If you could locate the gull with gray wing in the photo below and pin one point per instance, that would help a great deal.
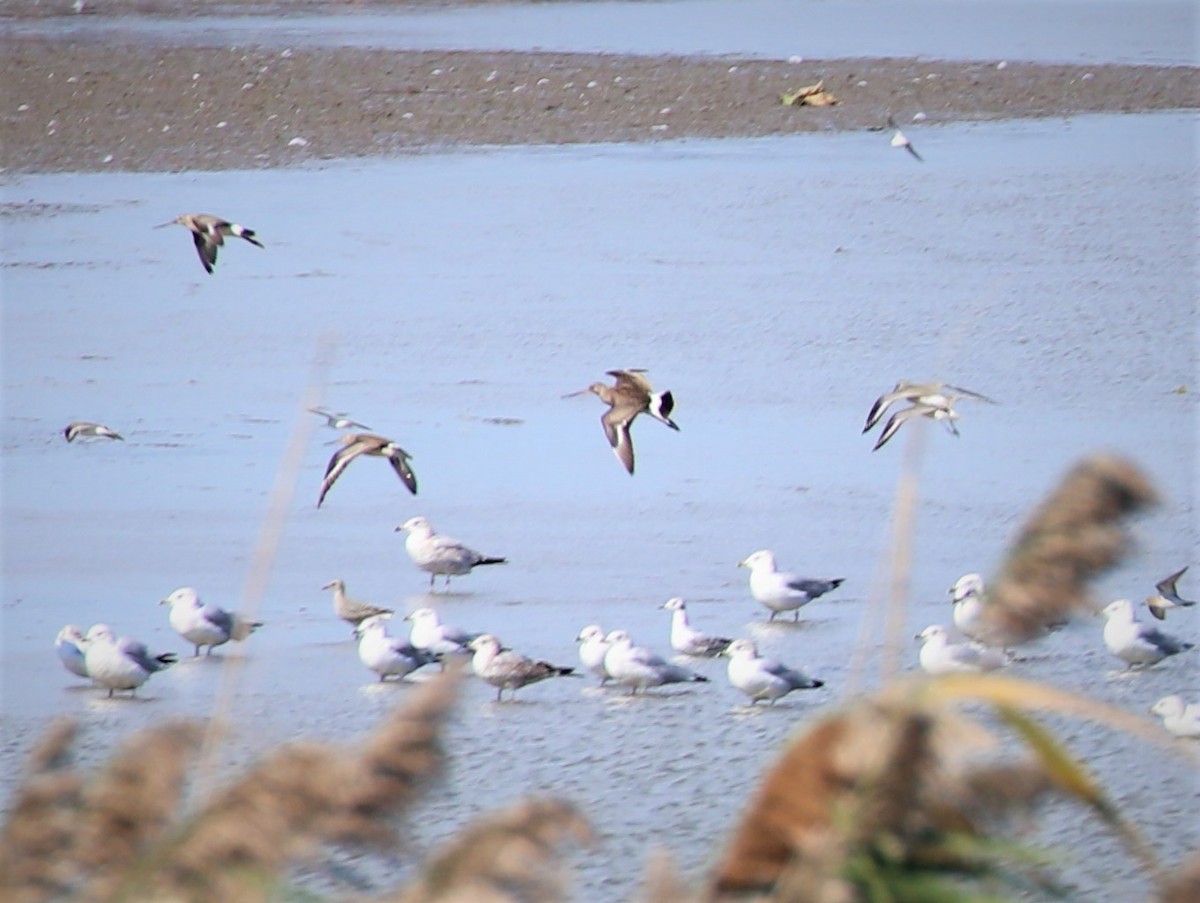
(763, 678)
(120, 664)
(437, 554)
(505, 669)
(781, 591)
(205, 625)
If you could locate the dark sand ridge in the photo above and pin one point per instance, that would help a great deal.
(83, 105)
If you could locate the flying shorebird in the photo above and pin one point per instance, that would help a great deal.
(945, 413)
(208, 232)
(82, 429)
(355, 444)
(339, 420)
(1168, 596)
(931, 393)
(629, 396)
(899, 139)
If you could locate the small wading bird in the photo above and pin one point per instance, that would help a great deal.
(1168, 596)
(355, 444)
(339, 420)
(352, 611)
(899, 139)
(82, 429)
(208, 232)
(505, 669)
(629, 396)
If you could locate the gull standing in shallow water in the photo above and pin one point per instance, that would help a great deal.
(1178, 718)
(355, 444)
(437, 554)
(629, 396)
(639, 668)
(763, 678)
(428, 632)
(593, 646)
(352, 611)
(967, 598)
(685, 638)
(780, 591)
(70, 645)
(1135, 643)
(120, 664)
(940, 656)
(385, 655)
(508, 670)
(205, 625)
(1168, 596)
(83, 429)
(899, 139)
(208, 234)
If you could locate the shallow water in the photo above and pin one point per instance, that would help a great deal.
(776, 286)
(1161, 32)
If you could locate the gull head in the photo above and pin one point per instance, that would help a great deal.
(1121, 608)
(761, 558)
(100, 632)
(933, 631)
(185, 595)
(965, 586)
(335, 584)
(1168, 707)
(485, 641)
(676, 604)
(416, 524)
(70, 633)
(618, 638)
(741, 649)
(423, 616)
(373, 624)
(590, 634)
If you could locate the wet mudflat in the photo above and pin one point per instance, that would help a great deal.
(775, 285)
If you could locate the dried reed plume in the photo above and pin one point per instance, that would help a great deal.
(883, 785)
(507, 857)
(37, 846)
(1072, 537)
(117, 836)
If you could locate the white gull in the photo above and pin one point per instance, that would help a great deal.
(1135, 643)
(763, 678)
(437, 554)
(940, 656)
(205, 625)
(780, 591)
(120, 664)
(685, 638)
(505, 669)
(385, 655)
(640, 668)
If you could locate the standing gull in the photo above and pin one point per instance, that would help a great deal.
(208, 233)
(899, 139)
(968, 600)
(385, 655)
(931, 393)
(593, 646)
(1135, 643)
(120, 664)
(355, 444)
(205, 625)
(685, 638)
(639, 668)
(780, 591)
(763, 678)
(1178, 718)
(352, 611)
(629, 396)
(1168, 596)
(437, 554)
(940, 656)
(429, 633)
(339, 421)
(508, 670)
(83, 429)
(71, 645)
